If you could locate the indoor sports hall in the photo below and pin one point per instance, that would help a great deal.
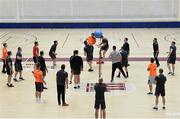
(70, 23)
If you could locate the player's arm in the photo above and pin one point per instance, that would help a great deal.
(11, 69)
(81, 60)
(19, 58)
(148, 68)
(110, 56)
(85, 53)
(66, 81)
(170, 51)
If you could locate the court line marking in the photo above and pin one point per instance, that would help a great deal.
(66, 59)
(135, 40)
(65, 40)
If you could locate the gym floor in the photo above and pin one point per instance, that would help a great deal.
(133, 102)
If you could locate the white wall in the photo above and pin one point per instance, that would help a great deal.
(88, 10)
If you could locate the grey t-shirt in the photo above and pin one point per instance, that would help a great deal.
(115, 56)
(61, 77)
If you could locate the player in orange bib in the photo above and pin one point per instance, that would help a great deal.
(39, 80)
(152, 68)
(91, 40)
(4, 55)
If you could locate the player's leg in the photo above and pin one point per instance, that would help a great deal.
(156, 102)
(114, 66)
(96, 113)
(4, 67)
(164, 102)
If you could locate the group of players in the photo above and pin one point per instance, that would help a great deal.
(119, 60)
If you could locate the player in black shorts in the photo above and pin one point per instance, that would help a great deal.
(172, 58)
(77, 67)
(126, 46)
(9, 69)
(156, 51)
(124, 56)
(52, 52)
(160, 89)
(100, 88)
(42, 63)
(104, 46)
(18, 65)
(88, 52)
(70, 61)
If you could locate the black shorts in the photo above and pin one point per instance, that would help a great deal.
(100, 104)
(105, 48)
(171, 60)
(89, 58)
(125, 63)
(39, 86)
(160, 91)
(18, 67)
(76, 71)
(52, 55)
(35, 59)
(8, 72)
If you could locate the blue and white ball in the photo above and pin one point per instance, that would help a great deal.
(98, 33)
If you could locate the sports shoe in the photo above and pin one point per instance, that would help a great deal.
(21, 78)
(78, 86)
(155, 108)
(15, 79)
(3, 72)
(11, 85)
(75, 87)
(90, 70)
(164, 107)
(65, 104)
(173, 74)
(169, 73)
(70, 82)
(150, 93)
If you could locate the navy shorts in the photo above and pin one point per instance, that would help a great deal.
(100, 104)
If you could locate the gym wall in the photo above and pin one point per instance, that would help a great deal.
(85, 11)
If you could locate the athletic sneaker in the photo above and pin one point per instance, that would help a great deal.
(155, 108)
(70, 82)
(65, 104)
(75, 87)
(21, 78)
(150, 93)
(11, 85)
(78, 86)
(173, 74)
(164, 107)
(41, 101)
(3, 72)
(15, 79)
(169, 73)
(90, 70)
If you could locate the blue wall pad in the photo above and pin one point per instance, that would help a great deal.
(94, 25)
